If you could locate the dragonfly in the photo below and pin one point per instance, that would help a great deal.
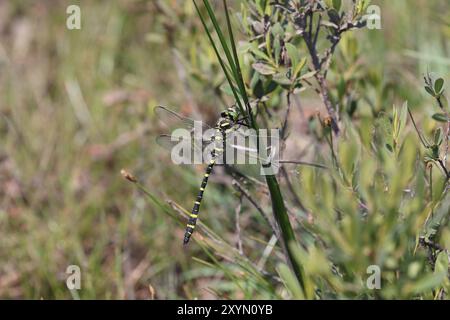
(230, 121)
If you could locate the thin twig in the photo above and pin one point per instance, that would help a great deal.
(431, 189)
(316, 35)
(304, 22)
(417, 130)
(246, 194)
(283, 132)
(296, 198)
(444, 168)
(236, 173)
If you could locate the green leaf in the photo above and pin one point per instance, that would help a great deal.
(282, 79)
(264, 68)
(270, 87)
(430, 91)
(258, 89)
(439, 86)
(308, 75)
(258, 27)
(337, 4)
(261, 6)
(269, 45)
(429, 282)
(362, 6)
(433, 152)
(258, 53)
(277, 49)
(298, 69)
(441, 264)
(277, 30)
(293, 54)
(440, 117)
(329, 24)
(438, 137)
(255, 78)
(403, 117)
(334, 16)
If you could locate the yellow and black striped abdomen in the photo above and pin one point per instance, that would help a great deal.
(195, 210)
(222, 128)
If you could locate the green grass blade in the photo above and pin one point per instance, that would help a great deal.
(222, 64)
(239, 78)
(222, 39)
(290, 282)
(280, 213)
(222, 267)
(231, 61)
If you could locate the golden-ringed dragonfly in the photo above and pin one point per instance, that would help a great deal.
(229, 121)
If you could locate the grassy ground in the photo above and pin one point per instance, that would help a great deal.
(76, 107)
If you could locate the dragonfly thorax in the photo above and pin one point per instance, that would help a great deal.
(224, 124)
(229, 117)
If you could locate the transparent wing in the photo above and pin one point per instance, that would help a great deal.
(171, 119)
(246, 142)
(185, 149)
(188, 143)
(269, 163)
(169, 142)
(267, 159)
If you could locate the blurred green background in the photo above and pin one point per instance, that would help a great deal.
(76, 107)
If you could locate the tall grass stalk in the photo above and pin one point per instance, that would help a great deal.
(236, 82)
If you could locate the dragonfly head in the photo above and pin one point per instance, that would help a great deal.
(231, 114)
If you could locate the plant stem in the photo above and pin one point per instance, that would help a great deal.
(282, 218)
(444, 168)
(417, 130)
(279, 209)
(246, 194)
